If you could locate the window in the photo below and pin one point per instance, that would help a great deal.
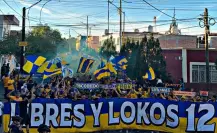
(199, 74)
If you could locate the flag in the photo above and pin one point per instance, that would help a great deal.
(58, 65)
(52, 69)
(48, 65)
(84, 65)
(49, 72)
(105, 72)
(110, 67)
(43, 67)
(102, 64)
(33, 63)
(120, 62)
(100, 73)
(111, 58)
(66, 72)
(150, 75)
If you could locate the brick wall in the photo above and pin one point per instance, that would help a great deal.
(174, 41)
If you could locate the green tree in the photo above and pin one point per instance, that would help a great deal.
(155, 59)
(108, 48)
(142, 55)
(125, 48)
(141, 65)
(41, 41)
(10, 45)
(136, 59)
(132, 62)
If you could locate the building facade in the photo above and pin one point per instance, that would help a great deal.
(6, 21)
(93, 42)
(190, 64)
(136, 36)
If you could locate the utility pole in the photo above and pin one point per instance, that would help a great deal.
(124, 24)
(87, 30)
(120, 11)
(108, 15)
(22, 52)
(206, 24)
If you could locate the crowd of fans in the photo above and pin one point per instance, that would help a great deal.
(24, 90)
(20, 89)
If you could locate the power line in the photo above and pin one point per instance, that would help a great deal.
(30, 8)
(11, 8)
(42, 8)
(156, 8)
(15, 10)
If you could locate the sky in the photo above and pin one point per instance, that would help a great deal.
(70, 16)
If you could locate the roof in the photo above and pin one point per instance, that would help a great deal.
(213, 34)
(135, 33)
(179, 35)
(11, 19)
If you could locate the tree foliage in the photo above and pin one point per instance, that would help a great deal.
(10, 45)
(143, 55)
(108, 48)
(41, 41)
(155, 59)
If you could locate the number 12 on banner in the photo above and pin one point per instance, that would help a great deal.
(201, 124)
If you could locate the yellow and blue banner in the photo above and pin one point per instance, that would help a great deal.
(51, 72)
(105, 71)
(120, 62)
(46, 65)
(33, 62)
(52, 69)
(101, 73)
(150, 74)
(66, 115)
(84, 65)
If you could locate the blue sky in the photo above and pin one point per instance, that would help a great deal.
(60, 13)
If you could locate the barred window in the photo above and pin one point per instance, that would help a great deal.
(199, 74)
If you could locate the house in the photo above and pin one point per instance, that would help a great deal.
(136, 36)
(6, 21)
(190, 64)
(93, 42)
